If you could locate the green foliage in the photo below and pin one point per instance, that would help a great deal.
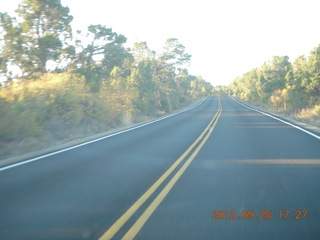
(41, 17)
(96, 60)
(142, 79)
(220, 90)
(11, 43)
(39, 38)
(292, 88)
(94, 83)
(174, 54)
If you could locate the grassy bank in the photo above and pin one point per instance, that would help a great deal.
(58, 108)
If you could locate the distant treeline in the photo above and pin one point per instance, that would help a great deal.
(289, 87)
(53, 78)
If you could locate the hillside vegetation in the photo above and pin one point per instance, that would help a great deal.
(58, 84)
(289, 88)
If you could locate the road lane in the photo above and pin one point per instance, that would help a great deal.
(81, 192)
(250, 163)
(192, 151)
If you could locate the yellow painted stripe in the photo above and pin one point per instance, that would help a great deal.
(127, 215)
(133, 231)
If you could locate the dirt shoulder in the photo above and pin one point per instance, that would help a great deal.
(303, 124)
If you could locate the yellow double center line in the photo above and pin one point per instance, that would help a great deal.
(133, 231)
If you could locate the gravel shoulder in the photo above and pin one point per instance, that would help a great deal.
(305, 125)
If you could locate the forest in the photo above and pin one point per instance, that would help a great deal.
(57, 83)
(289, 88)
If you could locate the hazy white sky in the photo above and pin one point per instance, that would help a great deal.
(226, 38)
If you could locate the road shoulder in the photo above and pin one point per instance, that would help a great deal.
(307, 126)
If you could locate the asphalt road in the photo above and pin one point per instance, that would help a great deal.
(207, 173)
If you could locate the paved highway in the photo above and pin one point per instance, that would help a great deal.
(217, 171)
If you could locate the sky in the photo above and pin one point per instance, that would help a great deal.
(226, 38)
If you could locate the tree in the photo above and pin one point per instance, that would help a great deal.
(96, 60)
(160, 73)
(275, 72)
(312, 83)
(45, 28)
(142, 52)
(115, 55)
(174, 54)
(11, 44)
(147, 100)
(39, 38)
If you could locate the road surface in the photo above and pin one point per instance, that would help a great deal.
(217, 171)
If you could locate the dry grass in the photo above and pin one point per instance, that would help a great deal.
(51, 110)
(59, 108)
(311, 115)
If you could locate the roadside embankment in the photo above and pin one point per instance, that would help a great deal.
(297, 119)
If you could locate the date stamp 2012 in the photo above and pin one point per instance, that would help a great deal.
(263, 214)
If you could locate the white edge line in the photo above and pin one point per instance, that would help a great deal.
(292, 125)
(98, 139)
